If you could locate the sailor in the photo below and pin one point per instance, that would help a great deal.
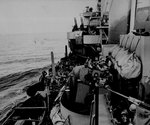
(75, 73)
(124, 117)
(42, 78)
(50, 71)
(79, 72)
(77, 76)
(90, 9)
(87, 9)
(36, 92)
(38, 87)
(108, 59)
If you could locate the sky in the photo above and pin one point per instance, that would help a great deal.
(40, 16)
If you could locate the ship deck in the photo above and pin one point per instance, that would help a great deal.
(104, 114)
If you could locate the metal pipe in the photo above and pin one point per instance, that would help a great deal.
(30, 108)
(117, 93)
(133, 13)
(131, 99)
(53, 64)
(91, 112)
(66, 51)
(32, 120)
(8, 117)
(96, 105)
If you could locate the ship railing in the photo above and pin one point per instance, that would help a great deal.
(92, 115)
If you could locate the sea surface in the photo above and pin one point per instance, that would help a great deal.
(22, 59)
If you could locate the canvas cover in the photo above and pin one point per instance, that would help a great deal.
(123, 58)
(115, 50)
(129, 66)
(121, 54)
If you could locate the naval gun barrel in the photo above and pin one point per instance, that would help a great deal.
(135, 101)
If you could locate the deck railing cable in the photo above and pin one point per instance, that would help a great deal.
(91, 113)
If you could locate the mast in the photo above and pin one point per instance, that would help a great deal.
(96, 105)
(53, 64)
(132, 14)
(96, 87)
(66, 51)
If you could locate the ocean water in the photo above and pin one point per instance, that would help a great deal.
(27, 51)
(22, 59)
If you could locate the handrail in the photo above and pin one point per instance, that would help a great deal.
(93, 119)
(94, 116)
(18, 108)
(31, 120)
(8, 117)
(91, 112)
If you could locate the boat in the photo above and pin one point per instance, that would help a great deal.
(105, 77)
(32, 111)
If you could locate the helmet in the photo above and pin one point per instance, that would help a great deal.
(44, 73)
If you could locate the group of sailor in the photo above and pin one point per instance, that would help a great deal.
(97, 72)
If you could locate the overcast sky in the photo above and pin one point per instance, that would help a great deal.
(39, 16)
